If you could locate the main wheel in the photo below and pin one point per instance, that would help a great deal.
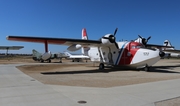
(147, 68)
(101, 66)
(49, 61)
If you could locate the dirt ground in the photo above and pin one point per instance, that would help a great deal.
(88, 75)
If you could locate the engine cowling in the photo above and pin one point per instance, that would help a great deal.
(74, 47)
(108, 39)
(161, 54)
(46, 56)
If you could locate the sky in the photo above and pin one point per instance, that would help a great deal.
(159, 19)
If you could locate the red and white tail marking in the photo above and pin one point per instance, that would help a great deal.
(84, 34)
(85, 37)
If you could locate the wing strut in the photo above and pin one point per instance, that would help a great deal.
(46, 46)
(7, 50)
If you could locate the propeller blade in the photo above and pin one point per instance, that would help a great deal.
(115, 31)
(105, 37)
(140, 36)
(116, 45)
(148, 38)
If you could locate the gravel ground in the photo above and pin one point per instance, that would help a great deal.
(88, 75)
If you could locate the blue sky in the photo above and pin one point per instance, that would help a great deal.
(66, 18)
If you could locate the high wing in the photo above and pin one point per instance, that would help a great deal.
(173, 51)
(158, 46)
(61, 41)
(144, 41)
(11, 47)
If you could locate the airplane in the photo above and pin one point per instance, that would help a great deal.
(167, 48)
(76, 57)
(41, 57)
(7, 48)
(124, 54)
(171, 52)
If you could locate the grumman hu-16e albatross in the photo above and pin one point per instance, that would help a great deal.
(126, 54)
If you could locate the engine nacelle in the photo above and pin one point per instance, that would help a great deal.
(108, 39)
(74, 47)
(175, 55)
(46, 56)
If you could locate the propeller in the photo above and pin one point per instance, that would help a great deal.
(112, 38)
(144, 40)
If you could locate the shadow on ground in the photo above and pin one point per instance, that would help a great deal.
(157, 69)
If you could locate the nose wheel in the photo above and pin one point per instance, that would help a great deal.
(101, 66)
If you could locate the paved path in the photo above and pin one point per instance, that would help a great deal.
(18, 89)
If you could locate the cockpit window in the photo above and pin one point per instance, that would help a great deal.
(136, 47)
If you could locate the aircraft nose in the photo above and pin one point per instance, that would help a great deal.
(161, 54)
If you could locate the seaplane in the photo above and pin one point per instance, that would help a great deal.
(106, 50)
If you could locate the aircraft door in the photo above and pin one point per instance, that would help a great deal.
(126, 55)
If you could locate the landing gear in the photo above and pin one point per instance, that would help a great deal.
(101, 66)
(147, 68)
(60, 61)
(42, 61)
(49, 61)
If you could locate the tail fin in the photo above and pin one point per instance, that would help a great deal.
(168, 43)
(67, 54)
(84, 34)
(85, 37)
(36, 53)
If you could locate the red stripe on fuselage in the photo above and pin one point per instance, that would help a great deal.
(130, 49)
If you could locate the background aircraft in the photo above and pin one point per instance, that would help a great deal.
(40, 57)
(124, 54)
(167, 48)
(171, 52)
(76, 57)
(7, 48)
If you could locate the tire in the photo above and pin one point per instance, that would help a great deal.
(146, 68)
(101, 66)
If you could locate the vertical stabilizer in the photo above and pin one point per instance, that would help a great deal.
(85, 37)
(168, 43)
(36, 55)
(84, 34)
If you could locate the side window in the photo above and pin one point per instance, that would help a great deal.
(133, 47)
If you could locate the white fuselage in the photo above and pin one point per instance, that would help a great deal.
(130, 54)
